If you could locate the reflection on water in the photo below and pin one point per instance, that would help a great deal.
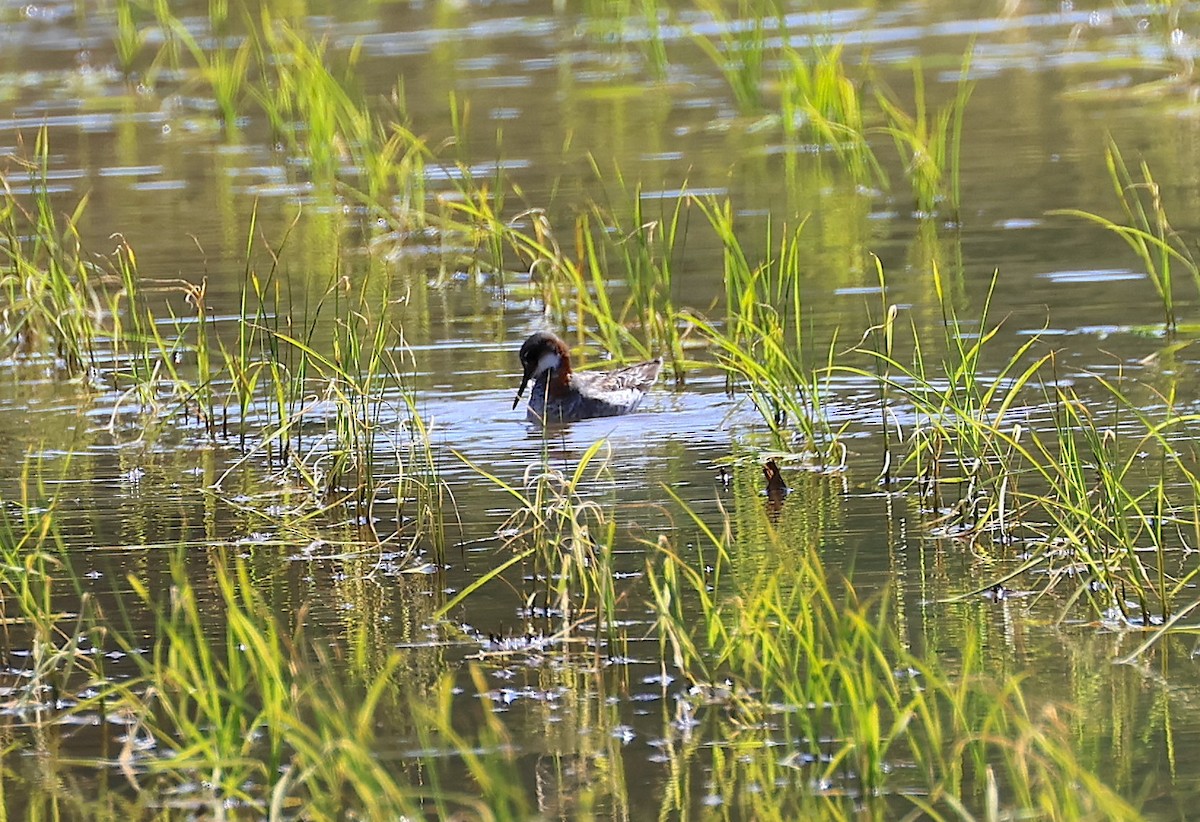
(560, 105)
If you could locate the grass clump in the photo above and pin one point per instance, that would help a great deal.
(1095, 489)
(930, 142)
(56, 299)
(820, 102)
(253, 715)
(762, 343)
(866, 720)
(1146, 230)
(567, 539)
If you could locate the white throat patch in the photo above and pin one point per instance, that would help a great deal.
(549, 360)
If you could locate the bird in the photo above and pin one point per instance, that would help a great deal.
(562, 395)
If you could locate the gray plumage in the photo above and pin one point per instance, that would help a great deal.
(560, 395)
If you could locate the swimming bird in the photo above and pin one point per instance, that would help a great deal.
(561, 395)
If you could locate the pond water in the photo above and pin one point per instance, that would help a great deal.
(566, 107)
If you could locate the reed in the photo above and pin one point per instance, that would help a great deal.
(1146, 230)
(784, 636)
(762, 344)
(930, 142)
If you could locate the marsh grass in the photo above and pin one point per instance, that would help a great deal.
(739, 48)
(273, 68)
(929, 142)
(999, 452)
(52, 642)
(213, 700)
(234, 699)
(1146, 230)
(867, 720)
(321, 390)
(568, 541)
(820, 102)
(55, 297)
(763, 344)
(646, 247)
(577, 285)
(224, 67)
(253, 713)
(129, 38)
(239, 710)
(339, 414)
(1094, 489)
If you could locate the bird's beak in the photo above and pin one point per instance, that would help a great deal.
(521, 390)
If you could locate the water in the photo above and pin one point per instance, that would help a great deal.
(549, 95)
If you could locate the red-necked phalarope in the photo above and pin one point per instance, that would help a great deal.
(561, 395)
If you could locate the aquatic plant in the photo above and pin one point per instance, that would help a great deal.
(762, 344)
(574, 284)
(781, 648)
(929, 143)
(129, 39)
(318, 113)
(739, 48)
(568, 539)
(1146, 230)
(55, 297)
(820, 102)
(1081, 488)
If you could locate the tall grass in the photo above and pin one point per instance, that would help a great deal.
(930, 141)
(800, 652)
(1146, 230)
(763, 343)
